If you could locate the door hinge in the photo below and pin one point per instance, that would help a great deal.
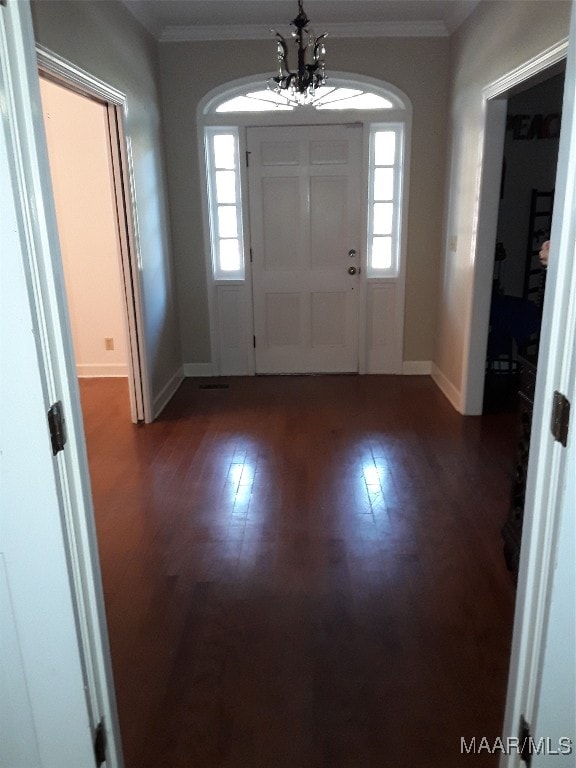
(560, 418)
(525, 741)
(251, 256)
(248, 153)
(100, 744)
(254, 341)
(57, 426)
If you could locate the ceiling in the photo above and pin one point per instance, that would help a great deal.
(173, 20)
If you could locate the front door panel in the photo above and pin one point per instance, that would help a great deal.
(305, 220)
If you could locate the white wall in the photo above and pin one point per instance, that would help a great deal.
(78, 151)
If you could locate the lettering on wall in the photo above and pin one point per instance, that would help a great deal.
(528, 127)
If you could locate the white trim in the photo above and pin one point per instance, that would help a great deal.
(121, 159)
(209, 267)
(548, 459)
(206, 32)
(167, 392)
(363, 325)
(417, 368)
(446, 387)
(198, 370)
(73, 77)
(526, 71)
(484, 237)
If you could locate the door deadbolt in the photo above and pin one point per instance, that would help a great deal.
(351, 270)
(352, 253)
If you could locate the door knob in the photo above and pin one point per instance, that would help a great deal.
(351, 270)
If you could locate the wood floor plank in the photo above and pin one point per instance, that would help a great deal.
(303, 572)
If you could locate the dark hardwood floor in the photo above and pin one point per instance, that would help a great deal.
(303, 572)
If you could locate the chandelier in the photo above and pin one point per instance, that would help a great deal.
(300, 86)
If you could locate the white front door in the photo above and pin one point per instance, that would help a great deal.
(305, 220)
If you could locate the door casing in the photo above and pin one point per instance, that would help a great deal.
(381, 319)
(73, 78)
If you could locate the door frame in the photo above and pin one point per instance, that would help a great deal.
(221, 294)
(73, 78)
(56, 376)
(548, 465)
(494, 98)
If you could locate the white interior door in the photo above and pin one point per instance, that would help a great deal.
(541, 680)
(305, 219)
(55, 676)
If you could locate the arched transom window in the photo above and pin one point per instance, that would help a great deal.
(338, 94)
(335, 97)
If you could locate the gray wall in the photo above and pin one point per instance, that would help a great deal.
(419, 67)
(496, 39)
(104, 39)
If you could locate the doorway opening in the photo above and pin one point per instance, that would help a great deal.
(548, 64)
(515, 205)
(91, 178)
(527, 191)
(533, 121)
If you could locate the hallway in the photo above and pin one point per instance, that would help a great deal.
(303, 572)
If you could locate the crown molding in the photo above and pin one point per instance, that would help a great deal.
(65, 72)
(182, 34)
(530, 69)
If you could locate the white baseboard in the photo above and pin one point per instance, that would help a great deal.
(416, 367)
(447, 388)
(198, 369)
(101, 370)
(166, 393)
(409, 368)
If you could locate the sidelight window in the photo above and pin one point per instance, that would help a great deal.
(384, 196)
(224, 197)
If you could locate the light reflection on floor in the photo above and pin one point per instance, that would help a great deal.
(353, 495)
